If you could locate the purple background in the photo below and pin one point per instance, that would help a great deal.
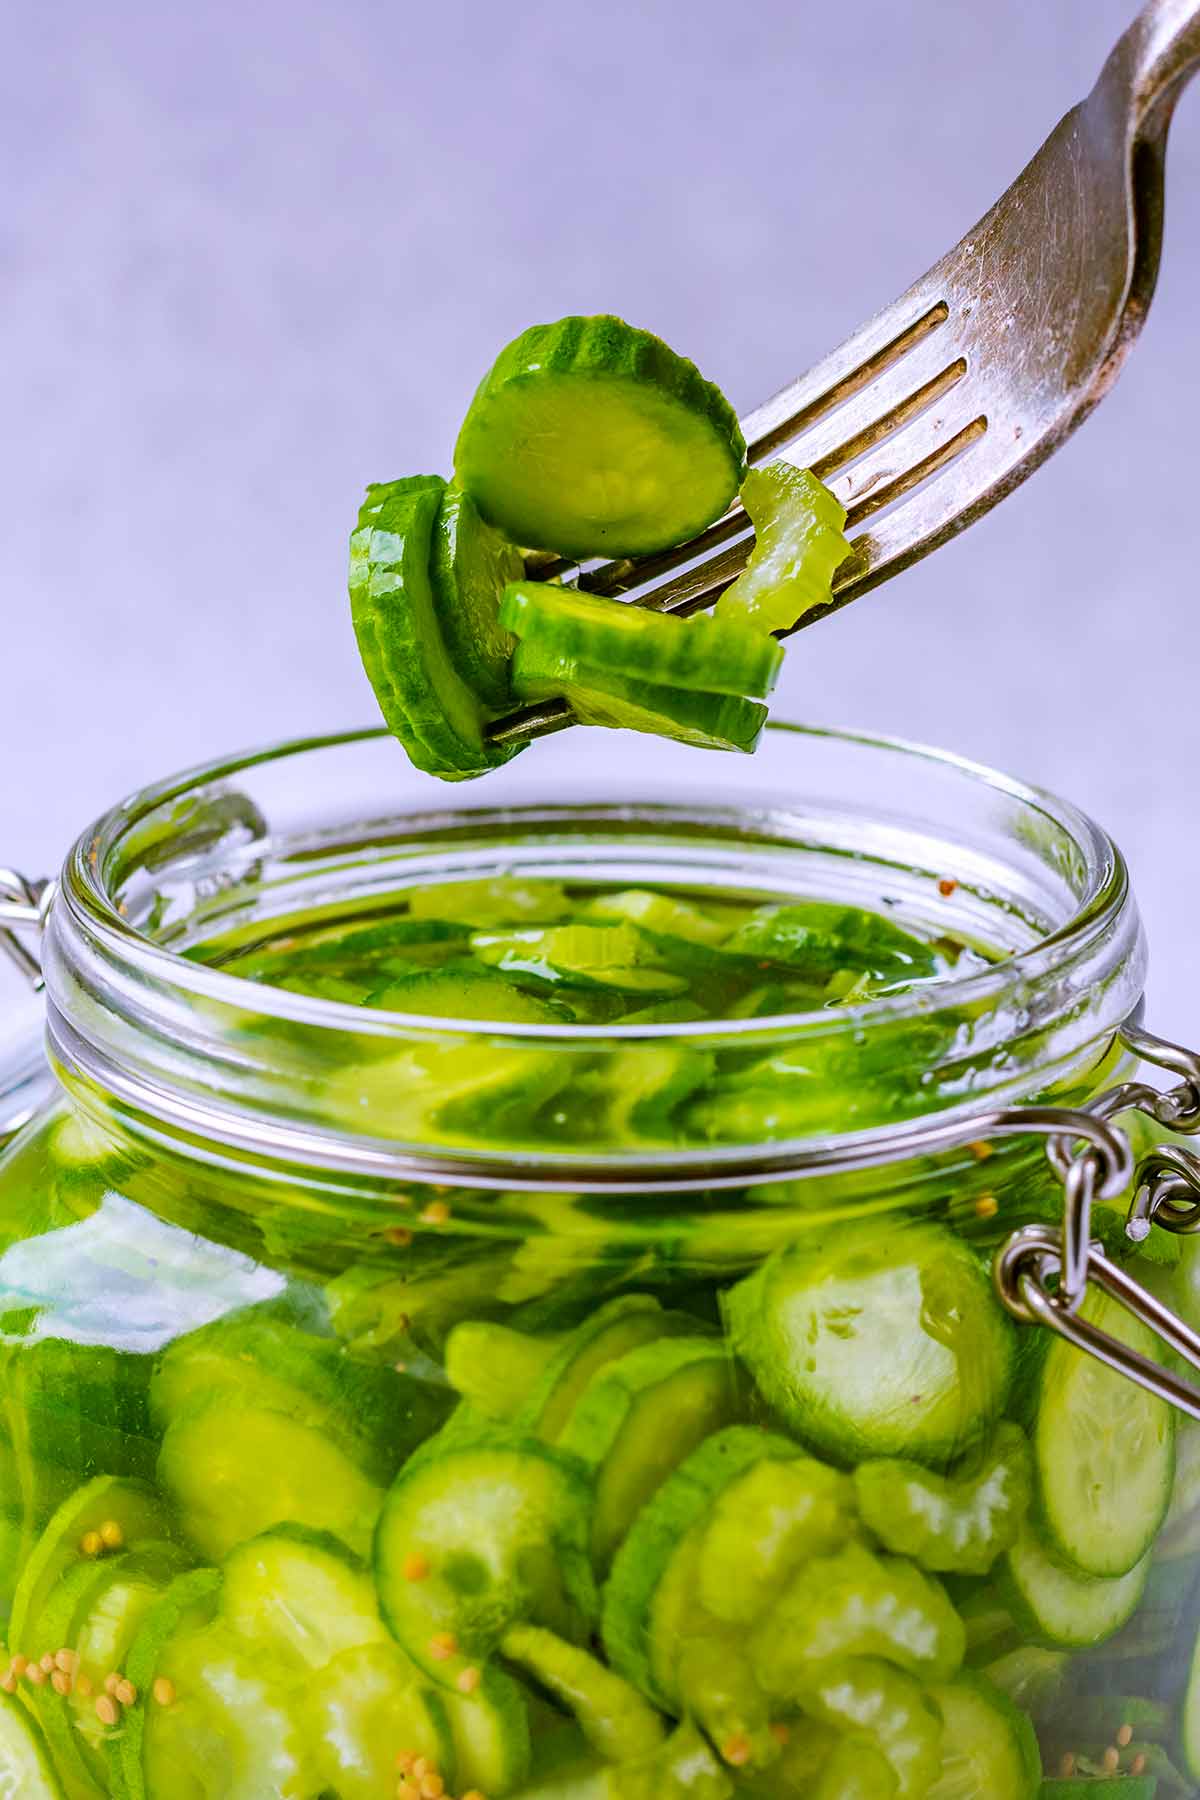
(252, 256)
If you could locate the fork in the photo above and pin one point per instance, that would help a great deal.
(945, 401)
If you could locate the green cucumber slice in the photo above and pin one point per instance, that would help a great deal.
(462, 990)
(490, 1732)
(425, 700)
(799, 544)
(870, 1342)
(763, 1526)
(819, 939)
(471, 565)
(449, 1089)
(957, 1524)
(25, 1769)
(704, 653)
(709, 721)
(1105, 1450)
(663, 915)
(611, 1714)
(362, 1710)
(855, 1770)
(589, 956)
(989, 1749)
(494, 1367)
(854, 1603)
(234, 1467)
(504, 900)
(231, 1732)
(300, 1595)
(479, 1533)
(890, 1709)
(1034, 1680)
(188, 1604)
(639, 1418)
(133, 1506)
(381, 1412)
(651, 1600)
(96, 1610)
(593, 438)
(1061, 1608)
(615, 1328)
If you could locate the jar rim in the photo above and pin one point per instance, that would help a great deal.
(132, 1016)
(1108, 891)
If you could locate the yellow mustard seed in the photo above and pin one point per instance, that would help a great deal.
(107, 1710)
(163, 1691)
(436, 1213)
(416, 1566)
(91, 1543)
(1124, 1736)
(61, 1682)
(736, 1750)
(36, 1675)
(468, 1681)
(126, 1693)
(111, 1535)
(84, 1686)
(442, 1646)
(67, 1660)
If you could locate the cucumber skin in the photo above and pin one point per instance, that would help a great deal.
(605, 348)
(626, 703)
(425, 700)
(681, 1503)
(708, 654)
(471, 563)
(197, 1591)
(15, 1722)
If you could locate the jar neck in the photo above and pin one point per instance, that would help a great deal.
(185, 1052)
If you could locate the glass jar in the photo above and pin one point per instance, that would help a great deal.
(404, 1405)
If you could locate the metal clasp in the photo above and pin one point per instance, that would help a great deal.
(1043, 1273)
(23, 907)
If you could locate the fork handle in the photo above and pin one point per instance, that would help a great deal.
(1156, 57)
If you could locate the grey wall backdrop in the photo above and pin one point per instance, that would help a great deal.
(253, 255)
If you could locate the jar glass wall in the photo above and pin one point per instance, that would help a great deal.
(563, 1409)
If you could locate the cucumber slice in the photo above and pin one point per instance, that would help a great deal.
(495, 1367)
(611, 1714)
(703, 653)
(854, 1604)
(479, 1533)
(447, 1090)
(855, 1770)
(799, 544)
(819, 939)
(1033, 1679)
(639, 1418)
(593, 438)
(462, 990)
(301, 1596)
(615, 1328)
(471, 565)
(662, 915)
(1105, 1450)
(1062, 1608)
(870, 1342)
(651, 1600)
(231, 1731)
(683, 1769)
(763, 1526)
(989, 1750)
(596, 696)
(952, 1524)
(25, 1769)
(489, 1729)
(382, 1412)
(362, 1710)
(505, 900)
(132, 1506)
(234, 1467)
(425, 700)
(187, 1605)
(890, 1710)
(96, 1610)
(600, 956)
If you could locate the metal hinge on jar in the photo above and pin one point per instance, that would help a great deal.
(1043, 1272)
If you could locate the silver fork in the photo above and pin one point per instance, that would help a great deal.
(944, 402)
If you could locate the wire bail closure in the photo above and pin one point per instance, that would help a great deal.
(1043, 1273)
(24, 905)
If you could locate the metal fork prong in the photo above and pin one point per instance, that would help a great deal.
(838, 378)
(889, 423)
